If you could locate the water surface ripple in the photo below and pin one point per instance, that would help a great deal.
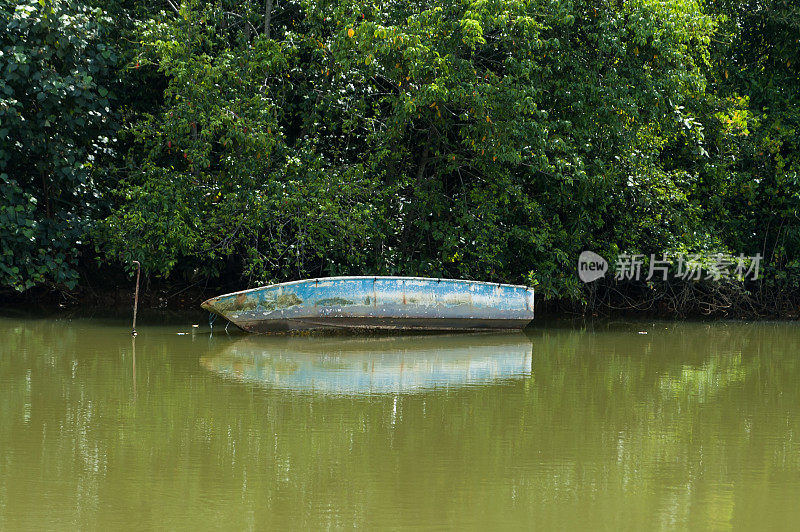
(692, 425)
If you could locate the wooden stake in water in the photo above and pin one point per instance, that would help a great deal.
(136, 296)
(133, 351)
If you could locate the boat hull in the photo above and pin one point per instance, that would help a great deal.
(380, 303)
(411, 324)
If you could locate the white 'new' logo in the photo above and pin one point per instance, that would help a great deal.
(591, 266)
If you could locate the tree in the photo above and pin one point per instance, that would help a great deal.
(55, 124)
(756, 174)
(481, 139)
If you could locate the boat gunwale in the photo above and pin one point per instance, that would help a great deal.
(356, 277)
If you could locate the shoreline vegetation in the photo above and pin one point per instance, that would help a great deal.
(686, 300)
(233, 144)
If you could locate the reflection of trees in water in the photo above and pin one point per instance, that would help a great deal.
(692, 425)
(680, 411)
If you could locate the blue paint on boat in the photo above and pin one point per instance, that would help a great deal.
(416, 303)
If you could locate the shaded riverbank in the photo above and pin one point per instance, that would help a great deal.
(664, 300)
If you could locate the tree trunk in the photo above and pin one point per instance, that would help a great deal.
(267, 17)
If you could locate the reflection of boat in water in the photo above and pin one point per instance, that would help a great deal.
(374, 365)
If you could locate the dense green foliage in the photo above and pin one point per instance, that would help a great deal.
(490, 139)
(55, 59)
(467, 140)
(756, 172)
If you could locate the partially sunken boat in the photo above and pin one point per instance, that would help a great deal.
(382, 303)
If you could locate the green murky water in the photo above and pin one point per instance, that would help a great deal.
(690, 425)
